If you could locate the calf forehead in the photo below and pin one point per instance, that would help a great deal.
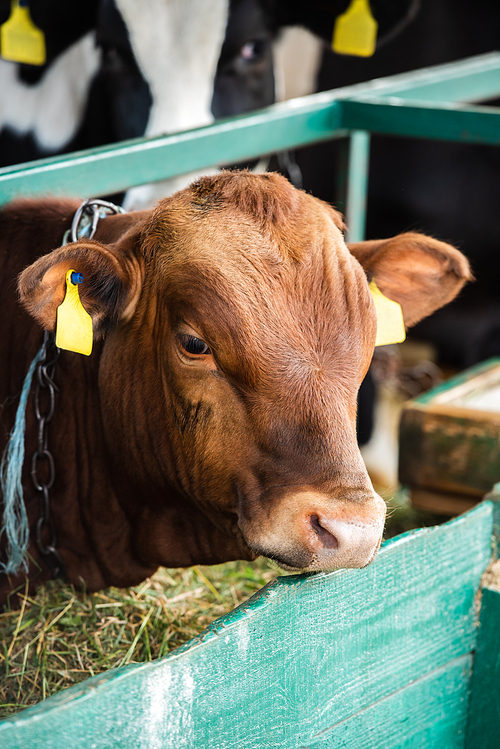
(262, 217)
(250, 259)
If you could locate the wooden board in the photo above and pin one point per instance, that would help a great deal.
(449, 445)
(483, 729)
(305, 654)
(441, 503)
(430, 712)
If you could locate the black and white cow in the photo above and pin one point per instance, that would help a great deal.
(115, 69)
(118, 69)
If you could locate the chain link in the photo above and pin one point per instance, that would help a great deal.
(42, 463)
(87, 217)
(43, 471)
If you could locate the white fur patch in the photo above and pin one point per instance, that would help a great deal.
(177, 45)
(297, 57)
(51, 110)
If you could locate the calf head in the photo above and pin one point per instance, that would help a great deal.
(237, 329)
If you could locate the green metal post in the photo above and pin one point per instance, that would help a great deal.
(357, 185)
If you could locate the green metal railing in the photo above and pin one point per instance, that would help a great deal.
(429, 103)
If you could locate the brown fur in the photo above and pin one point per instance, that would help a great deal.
(165, 458)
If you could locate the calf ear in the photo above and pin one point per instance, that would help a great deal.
(419, 272)
(109, 292)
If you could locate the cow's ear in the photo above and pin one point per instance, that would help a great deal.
(419, 272)
(109, 292)
(319, 16)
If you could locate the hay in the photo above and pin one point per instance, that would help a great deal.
(61, 636)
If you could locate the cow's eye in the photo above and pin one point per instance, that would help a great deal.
(192, 345)
(253, 50)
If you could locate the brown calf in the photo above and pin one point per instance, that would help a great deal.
(215, 418)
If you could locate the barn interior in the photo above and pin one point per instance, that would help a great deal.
(442, 381)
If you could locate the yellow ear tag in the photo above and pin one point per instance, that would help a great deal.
(20, 39)
(74, 324)
(390, 323)
(355, 31)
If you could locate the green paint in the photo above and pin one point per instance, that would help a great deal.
(483, 729)
(421, 119)
(450, 453)
(430, 712)
(495, 497)
(357, 185)
(305, 654)
(472, 79)
(114, 168)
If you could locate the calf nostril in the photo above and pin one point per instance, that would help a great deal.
(328, 540)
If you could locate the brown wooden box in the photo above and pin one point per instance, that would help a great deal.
(449, 441)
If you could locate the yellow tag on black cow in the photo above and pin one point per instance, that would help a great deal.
(20, 39)
(355, 31)
(74, 324)
(390, 322)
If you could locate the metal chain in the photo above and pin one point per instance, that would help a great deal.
(87, 217)
(42, 463)
(43, 471)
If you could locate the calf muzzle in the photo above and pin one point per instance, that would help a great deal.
(342, 543)
(308, 531)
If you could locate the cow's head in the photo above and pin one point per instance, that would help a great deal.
(237, 329)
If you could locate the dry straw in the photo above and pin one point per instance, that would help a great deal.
(61, 636)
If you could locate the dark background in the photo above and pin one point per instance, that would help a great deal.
(448, 190)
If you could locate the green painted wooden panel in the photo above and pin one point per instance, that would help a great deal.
(495, 497)
(305, 653)
(291, 124)
(430, 712)
(483, 728)
(421, 119)
(451, 450)
(458, 379)
(454, 454)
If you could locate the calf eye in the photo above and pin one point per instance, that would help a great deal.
(192, 345)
